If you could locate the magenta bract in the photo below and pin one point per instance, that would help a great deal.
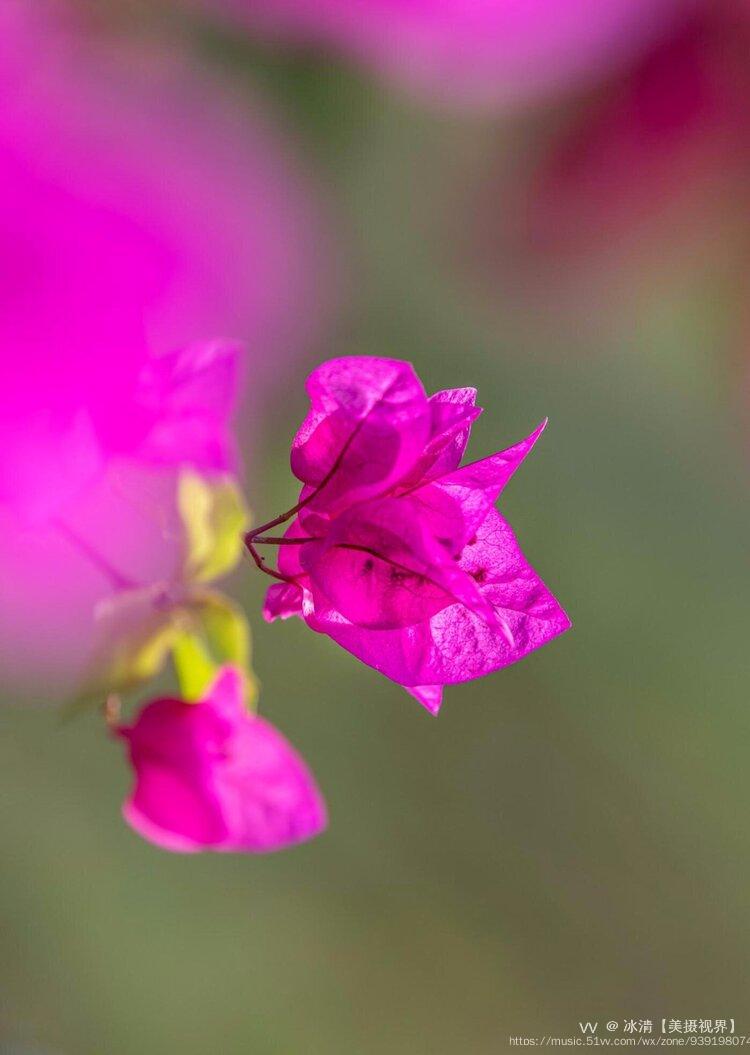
(397, 553)
(211, 776)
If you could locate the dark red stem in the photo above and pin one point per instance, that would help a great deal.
(278, 540)
(256, 535)
(261, 564)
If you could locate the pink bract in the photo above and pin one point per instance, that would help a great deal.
(211, 776)
(480, 52)
(405, 561)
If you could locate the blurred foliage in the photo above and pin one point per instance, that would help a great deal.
(137, 629)
(213, 517)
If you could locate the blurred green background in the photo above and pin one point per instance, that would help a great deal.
(567, 841)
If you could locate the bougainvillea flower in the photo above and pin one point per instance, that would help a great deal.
(397, 552)
(142, 208)
(211, 776)
(488, 51)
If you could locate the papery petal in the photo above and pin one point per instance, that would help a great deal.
(477, 486)
(455, 645)
(452, 414)
(453, 410)
(270, 798)
(168, 811)
(282, 601)
(430, 696)
(211, 776)
(174, 802)
(454, 505)
(381, 569)
(289, 561)
(368, 424)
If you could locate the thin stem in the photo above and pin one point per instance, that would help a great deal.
(116, 578)
(283, 517)
(278, 540)
(257, 534)
(111, 710)
(261, 564)
(280, 519)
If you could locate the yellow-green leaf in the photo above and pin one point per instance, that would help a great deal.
(194, 667)
(214, 516)
(133, 639)
(227, 634)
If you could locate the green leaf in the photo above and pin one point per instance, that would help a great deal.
(213, 516)
(137, 629)
(133, 638)
(194, 667)
(227, 634)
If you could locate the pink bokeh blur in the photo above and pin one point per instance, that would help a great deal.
(667, 138)
(485, 53)
(144, 208)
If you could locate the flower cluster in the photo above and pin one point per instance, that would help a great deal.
(142, 204)
(396, 551)
(210, 774)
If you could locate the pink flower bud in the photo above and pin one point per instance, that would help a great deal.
(211, 776)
